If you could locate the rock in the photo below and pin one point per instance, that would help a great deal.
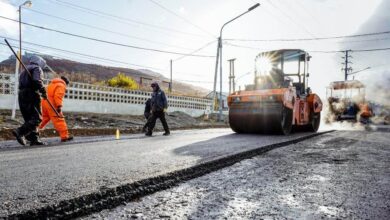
(164, 215)
(137, 215)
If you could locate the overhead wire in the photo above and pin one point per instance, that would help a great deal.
(315, 51)
(181, 17)
(79, 54)
(89, 57)
(197, 50)
(105, 30)
(290, 18)
(120, 19)
(106, 41)
(313, 39)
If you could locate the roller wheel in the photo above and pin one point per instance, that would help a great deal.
(234, 126)
(315, 120)
(286, 121)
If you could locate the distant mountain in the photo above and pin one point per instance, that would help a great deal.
(151, 73)
(93, 73)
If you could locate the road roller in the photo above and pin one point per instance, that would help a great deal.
(347, 102)
(279, 101)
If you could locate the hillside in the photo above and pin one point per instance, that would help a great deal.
(92, 73)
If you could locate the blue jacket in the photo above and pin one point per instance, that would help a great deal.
(159, 101)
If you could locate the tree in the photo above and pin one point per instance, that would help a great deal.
(123, 81)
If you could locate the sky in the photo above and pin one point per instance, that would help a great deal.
(183, 26)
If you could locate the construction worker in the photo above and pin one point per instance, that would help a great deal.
(147, 114)
(56, 92)
(159, 104)
(31, 89)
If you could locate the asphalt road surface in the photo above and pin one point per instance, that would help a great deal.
(340, 175)
(31, 178)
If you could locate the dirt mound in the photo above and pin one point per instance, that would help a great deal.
(92, 124)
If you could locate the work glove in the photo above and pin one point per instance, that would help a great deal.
(165, 110)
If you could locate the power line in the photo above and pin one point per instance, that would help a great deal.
(290, 18)
(256, 48)
(106, 41)
(313, 39)
(91, 57)
(117, 18)
(181, 17)
(103, 29)
(313, 51)
(197, 50)
(370, 50)
(28, 49)
(80, 54)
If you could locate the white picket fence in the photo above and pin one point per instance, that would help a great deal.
(83, 97)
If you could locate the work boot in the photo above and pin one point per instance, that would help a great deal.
(67, 139)
(38, 143)
(20, 138)
(167, 133)
(31, 137)
(149, 134)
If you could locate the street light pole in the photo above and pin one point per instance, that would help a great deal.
(18, 70)
(27, 4)
(219, 55)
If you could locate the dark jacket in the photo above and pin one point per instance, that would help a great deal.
(159, 100)
(34, 82)
(148, 108)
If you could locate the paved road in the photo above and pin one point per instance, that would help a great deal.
(340, 175)
(35, 177)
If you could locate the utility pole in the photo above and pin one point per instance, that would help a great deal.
(232, 83)
(215, 77)
(219, 55)
(346, 63)
(170, 83)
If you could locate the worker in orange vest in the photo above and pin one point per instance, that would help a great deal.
(55, 93)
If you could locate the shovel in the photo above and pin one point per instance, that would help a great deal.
(20, 61)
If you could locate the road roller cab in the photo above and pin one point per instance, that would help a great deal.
(279, 100)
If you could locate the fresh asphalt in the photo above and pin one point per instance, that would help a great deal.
(339, 175)
(32, 178)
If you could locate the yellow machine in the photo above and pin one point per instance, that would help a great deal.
(279, 100)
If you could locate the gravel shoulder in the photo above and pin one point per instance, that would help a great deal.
(92, 124)
(340, 175)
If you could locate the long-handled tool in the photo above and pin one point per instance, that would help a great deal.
(28, 72)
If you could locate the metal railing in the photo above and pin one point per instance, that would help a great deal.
(84, 91)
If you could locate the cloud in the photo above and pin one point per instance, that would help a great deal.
(10, 28)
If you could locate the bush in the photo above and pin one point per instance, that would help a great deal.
(123, 81)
